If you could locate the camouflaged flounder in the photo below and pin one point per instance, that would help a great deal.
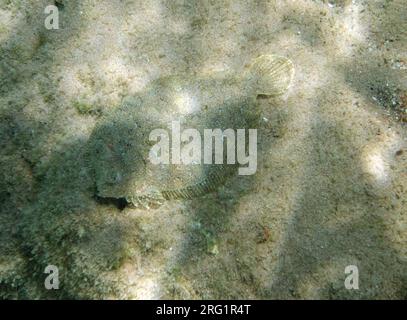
(120, 144)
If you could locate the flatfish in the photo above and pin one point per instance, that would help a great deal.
(121, 146)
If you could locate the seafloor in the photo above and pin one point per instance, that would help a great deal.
(331, 186)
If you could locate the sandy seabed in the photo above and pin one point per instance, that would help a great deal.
(331, 185)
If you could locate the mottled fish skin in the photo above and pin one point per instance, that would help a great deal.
(119, 145)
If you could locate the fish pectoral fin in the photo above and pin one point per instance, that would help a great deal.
(270, 75)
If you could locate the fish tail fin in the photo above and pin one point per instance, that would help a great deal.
(270, 75)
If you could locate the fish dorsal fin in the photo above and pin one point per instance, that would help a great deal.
(270, 75)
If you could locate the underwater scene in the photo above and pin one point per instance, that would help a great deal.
(203, 150)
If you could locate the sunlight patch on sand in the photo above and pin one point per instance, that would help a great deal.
(148, 18)
(186, 102)
(6, 24)
(353, 31)
(211, 66)
(377, 158)
(146, 288)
